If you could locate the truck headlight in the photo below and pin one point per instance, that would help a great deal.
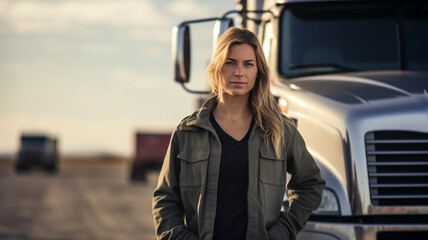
(329, 204)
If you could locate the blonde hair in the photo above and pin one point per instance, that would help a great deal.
(262, 105)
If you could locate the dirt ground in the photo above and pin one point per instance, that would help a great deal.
(77, 162)
(89, 198)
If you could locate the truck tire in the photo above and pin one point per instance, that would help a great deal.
(20, 168)
(137, 173)
(51, 168)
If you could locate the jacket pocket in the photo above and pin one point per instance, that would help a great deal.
(193, 168)
(272, 169)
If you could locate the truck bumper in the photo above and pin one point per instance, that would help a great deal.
(357, 231)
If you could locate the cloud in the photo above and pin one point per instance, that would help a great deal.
(134, 79)
(188, 8)
(149, 34)
(37, 16)
(98, 48)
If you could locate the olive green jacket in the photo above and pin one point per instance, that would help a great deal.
(184, 202)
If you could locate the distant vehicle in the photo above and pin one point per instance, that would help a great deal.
(150, 149)
(38, 151)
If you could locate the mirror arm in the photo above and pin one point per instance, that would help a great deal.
(200, 20)
(193, 91)
(248, 11)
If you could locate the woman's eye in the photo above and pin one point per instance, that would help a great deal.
(249, 64)
(229, 63)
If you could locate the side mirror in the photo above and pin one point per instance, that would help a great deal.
(220, 27)
(181, 53)
(181, 47)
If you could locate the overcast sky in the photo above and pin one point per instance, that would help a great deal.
(93, 72)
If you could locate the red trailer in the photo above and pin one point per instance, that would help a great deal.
(150, 149)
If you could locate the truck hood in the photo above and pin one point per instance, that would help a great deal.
(363, 87)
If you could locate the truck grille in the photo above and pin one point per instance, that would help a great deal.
(398, 167)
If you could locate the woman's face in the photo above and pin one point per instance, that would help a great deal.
(239, 71)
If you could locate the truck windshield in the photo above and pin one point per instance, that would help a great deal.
(33, 142)
(343, 37)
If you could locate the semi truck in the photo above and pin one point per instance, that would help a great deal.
(150, 150)
(353, 76)
(37, 151)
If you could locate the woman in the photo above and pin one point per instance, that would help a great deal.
(224, 173)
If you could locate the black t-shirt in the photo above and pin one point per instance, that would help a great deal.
(231, 214)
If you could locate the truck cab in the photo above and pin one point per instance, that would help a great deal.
(37, 151)
(353, 75)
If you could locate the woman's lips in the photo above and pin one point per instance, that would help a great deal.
(238, 83)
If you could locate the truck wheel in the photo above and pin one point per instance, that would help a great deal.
(132, 174)
(20, 168)
(142, 173)
(51, 168)
(137, 173)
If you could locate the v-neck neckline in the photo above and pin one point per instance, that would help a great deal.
(218, 127)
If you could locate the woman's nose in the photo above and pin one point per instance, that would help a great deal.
(239, 71)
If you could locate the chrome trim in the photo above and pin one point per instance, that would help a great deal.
(396, 141)
(397, 174)
(396, 163)
(396, 152)
(399, 196)
(356, 231)
(400, 185)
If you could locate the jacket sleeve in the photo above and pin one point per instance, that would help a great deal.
(304, 189)
(168, 210)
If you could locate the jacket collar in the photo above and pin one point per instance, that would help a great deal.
(202, 116)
